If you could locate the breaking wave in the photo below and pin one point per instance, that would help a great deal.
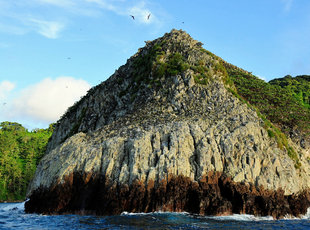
(5, 207)
(13, 216)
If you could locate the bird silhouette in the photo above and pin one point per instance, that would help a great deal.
(133, 17)
(148, 17)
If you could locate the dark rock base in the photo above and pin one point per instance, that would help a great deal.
(214, 194)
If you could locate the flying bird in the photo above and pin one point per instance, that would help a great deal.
(148, 17)
(133, 17)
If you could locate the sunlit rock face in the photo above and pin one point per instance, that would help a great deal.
(165, 132)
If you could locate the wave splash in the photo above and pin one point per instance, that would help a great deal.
(307, 215)
(152, 213)
(13, 207)
(234, 217)
(242, 217)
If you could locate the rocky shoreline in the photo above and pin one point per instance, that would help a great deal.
(214, 194)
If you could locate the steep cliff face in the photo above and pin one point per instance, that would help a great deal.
(165, 132)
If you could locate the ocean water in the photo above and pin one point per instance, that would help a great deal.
(12, 216)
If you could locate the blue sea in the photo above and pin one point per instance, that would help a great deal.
(12, 216)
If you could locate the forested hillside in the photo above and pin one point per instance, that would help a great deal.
(298, 86)
(284, 101)
(20, 152)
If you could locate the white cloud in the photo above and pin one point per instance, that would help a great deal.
(287, 5)
(104, 4)
(43, 16)
(139, 10)
(141, 13)
(23, 17)
(47, 100)
(49, 29)
(260, 77)
(59, 3)
(5, 88)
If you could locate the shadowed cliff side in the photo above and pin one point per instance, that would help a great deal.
(213, 194)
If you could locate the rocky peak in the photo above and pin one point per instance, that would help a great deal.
(165, 132)
(177, 41)
(161, 78)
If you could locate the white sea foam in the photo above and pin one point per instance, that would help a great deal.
(304, 217)
(247, 217)
(134, 214)
(242, 217)
(307, 215)
(151, 213)
(13, 206)
(234, 217)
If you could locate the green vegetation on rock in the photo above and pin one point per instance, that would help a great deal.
(20, 152)
(154, 65)
(298, 87)
(284, 102)
(278, 104)
(203, 74)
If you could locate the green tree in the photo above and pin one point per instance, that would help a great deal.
(20, 152)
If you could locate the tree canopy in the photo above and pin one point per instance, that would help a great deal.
(20, 152)
(284, 101)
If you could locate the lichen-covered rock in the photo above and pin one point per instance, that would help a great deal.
(148, 137)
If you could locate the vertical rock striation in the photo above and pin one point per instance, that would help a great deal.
(165, 132)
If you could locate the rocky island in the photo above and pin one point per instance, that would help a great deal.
(169, 132)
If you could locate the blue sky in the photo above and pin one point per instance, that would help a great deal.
(53, 51)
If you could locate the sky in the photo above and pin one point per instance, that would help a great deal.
(53, 51)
